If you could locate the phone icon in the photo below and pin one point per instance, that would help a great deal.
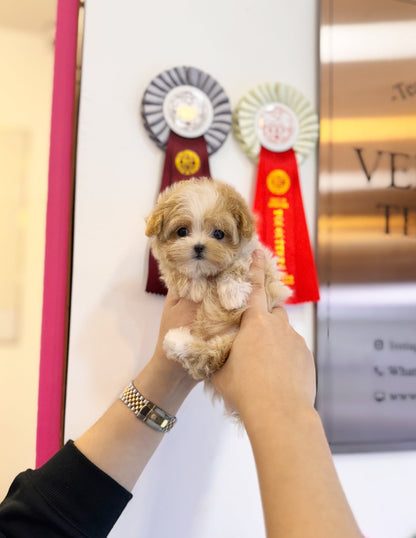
(378, 371)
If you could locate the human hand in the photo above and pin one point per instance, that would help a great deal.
(177, 312)
(269, 363)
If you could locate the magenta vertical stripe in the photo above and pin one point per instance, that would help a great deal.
(59, 213)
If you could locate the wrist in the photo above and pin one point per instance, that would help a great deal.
(260, 419)
(165, 383)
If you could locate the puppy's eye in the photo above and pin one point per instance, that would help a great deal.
(182, 232)
(218, 234)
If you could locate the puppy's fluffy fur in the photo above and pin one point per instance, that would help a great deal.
(203, 236)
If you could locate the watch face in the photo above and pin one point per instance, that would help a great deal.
(277, 127)
(188, 111)
(145, 410)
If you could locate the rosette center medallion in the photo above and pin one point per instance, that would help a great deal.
(277, 127)
(188, 111)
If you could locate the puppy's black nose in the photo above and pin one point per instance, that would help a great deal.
(199, 250)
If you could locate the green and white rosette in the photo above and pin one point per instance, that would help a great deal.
(277, 127)
(247, 117)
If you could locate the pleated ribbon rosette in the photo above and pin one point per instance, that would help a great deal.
(188, 115)
(277, 127)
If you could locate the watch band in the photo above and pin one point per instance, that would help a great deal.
(146, 410)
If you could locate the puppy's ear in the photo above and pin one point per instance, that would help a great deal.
(154, 222)
(245, 221)
(160, 214)
(238, 208)
(242, 215)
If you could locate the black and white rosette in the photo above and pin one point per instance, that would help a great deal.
(292, 109)
(189, 102)
(188, 115)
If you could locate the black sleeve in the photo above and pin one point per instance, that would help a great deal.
(67, 497)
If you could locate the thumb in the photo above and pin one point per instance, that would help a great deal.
(257, 298)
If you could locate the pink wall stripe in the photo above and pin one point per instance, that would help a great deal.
(58, 229)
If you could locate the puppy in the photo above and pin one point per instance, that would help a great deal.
(203, 235)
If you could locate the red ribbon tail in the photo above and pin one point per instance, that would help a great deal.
(282, 224)
(185, 158)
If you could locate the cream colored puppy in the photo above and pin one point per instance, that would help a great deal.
(203, 235)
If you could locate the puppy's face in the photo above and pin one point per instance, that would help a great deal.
(198, 226)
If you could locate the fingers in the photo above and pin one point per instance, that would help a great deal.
(257, 297)
(280, 312)
(171, 298)
(181, 306)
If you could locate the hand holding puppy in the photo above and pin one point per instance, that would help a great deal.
(269, 363)
(269, 379)
(202, 234)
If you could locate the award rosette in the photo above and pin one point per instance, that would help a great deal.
(275, 124)
(188, 114)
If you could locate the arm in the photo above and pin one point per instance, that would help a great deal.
(119, 443)
(73, 495)
(270, 363)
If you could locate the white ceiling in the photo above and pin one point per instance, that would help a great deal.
(28, 15)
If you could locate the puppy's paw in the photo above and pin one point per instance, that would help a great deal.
(233, 293)
(277, 293)
(178, 344)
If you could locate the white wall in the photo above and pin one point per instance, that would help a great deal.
(201, 482)
(26, 67)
